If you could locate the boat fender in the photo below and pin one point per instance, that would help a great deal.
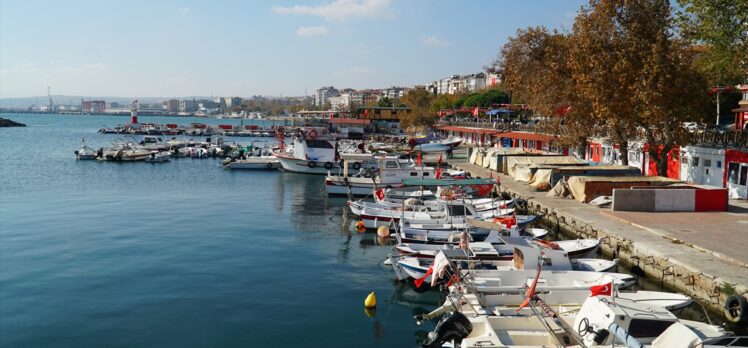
(453, 327)
(379, 192)
(736, 308)
(312, 134)
(328, 165)
(356, 166)
(311, 164)
(269, 166)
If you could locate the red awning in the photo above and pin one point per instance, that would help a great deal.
(526, 136)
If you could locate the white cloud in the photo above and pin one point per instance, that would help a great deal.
(312, 31)
(23, 68)
(340, 10)
(79, 69)
(176, 81)
(354, 71)
(183, 10)
(433, 41)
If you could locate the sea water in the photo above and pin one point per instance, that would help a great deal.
(181, 254)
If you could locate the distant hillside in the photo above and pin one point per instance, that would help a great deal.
(76, 100)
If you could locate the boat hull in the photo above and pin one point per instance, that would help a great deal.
(255, 165)
(295, 165)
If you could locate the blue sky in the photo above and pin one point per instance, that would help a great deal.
(184, 48)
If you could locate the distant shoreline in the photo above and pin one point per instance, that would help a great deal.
(269, 118)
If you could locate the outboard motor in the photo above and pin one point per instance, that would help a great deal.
(453, 327)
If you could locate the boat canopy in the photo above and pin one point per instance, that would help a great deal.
(439, 182)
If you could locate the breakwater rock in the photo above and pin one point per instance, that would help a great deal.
(4, 122)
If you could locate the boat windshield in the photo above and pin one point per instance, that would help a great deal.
(318, 144)
(640, 328)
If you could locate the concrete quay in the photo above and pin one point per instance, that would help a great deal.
(703, 255)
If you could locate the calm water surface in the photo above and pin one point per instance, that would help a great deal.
(183, 253)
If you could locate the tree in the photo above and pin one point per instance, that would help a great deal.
(634, 73)
(353, 109)
(721, 26)
(535, 68)
(384, 103)
(418, 100)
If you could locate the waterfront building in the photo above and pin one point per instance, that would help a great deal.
(93, 106)
(323, 95)
(187, 105)
(393, 92)
(458, 84)
(172, 105)
(233, 102)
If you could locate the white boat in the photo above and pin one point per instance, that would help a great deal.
(451, 215)
(512, 254)
(438, 145)
(601, 321)
(85, 152)
(158, 157)
(312, 152)
(575, 247)
(257, 163)
(390, 173)
(593, 265)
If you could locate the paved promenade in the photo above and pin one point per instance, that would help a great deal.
(714, 245)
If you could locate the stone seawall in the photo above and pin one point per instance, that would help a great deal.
(705, 276)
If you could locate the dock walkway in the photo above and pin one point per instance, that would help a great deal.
(695, 253)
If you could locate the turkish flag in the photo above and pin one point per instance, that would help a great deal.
(438, 173)
(418, 160)
(439, 161)
(604, 289)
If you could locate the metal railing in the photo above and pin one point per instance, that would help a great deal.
(705, 137)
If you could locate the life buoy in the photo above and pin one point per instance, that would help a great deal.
(356, 166)
(328, 165)
(269, 166)
(311, 164)
(312, 133)
(736, 308)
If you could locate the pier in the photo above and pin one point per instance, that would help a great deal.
(694, 253)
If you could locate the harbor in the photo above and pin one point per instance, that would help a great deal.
(358, 173)
(651, 258)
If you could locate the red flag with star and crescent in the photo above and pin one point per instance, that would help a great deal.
(603, 289)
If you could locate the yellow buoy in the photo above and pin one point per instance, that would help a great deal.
(383, 231)
(370, 301)
(360, 226)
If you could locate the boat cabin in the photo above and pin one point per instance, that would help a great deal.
(601, 314)
(395, 167)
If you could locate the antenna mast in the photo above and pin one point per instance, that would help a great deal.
(49, 95)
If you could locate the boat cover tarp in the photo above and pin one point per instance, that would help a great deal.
(541, 180)
(547, 175)
(514, 162)
(578, 185)
(487, 158)
(479, 157)
(437, 182)
(473, 154)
